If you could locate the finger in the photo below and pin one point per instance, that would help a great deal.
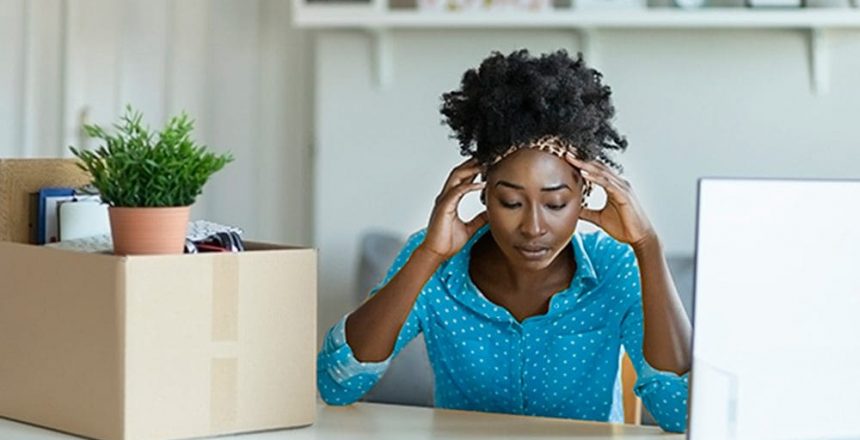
(467, 171)
(612, 175)
(458, 178)
(591, 166)
(581, 164)
(600, 174)
(451, 199)
(477, 222)
(464, 170)
(598, 167)
(597, 177)
(588, 167)
(467, 162)
(613, 189)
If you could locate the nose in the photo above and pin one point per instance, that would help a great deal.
(532, 225)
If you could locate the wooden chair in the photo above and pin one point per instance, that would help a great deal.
(632, 403)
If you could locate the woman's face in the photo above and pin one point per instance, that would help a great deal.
(533, 202)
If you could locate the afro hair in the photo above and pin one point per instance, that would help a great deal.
(514, 99)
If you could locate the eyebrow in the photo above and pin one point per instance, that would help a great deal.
(520, 187)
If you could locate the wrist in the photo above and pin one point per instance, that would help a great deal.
(649, 242)
(424, 253)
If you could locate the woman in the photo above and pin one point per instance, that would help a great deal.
(520, 313)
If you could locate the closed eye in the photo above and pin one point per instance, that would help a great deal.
(517, 205)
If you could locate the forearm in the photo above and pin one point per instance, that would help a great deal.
(667, 330)
(372, 329)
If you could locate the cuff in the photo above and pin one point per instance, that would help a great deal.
(339, 360)
(648, 374)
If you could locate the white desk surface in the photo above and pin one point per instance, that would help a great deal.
(395, 422)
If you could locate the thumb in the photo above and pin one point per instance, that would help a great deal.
(476, 222)
(590, 215)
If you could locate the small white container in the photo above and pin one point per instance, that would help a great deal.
(830, 3)
(608, 4)
(775, 3)
(484, 5)
(690, 4)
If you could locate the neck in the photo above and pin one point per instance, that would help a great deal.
(523, 281)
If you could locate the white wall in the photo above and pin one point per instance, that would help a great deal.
(236, 66)
(692, 103)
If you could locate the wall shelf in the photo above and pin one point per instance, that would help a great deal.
(371, 16)
(379, 20)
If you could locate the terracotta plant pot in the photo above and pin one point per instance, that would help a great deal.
(149, 231)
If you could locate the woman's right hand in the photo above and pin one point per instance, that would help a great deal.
(446, 232)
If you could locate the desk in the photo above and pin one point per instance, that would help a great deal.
(381, 422)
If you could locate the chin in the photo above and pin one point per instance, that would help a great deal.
(535, 265)
(535, 262)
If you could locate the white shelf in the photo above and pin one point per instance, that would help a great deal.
(355, 16)
(378, 21)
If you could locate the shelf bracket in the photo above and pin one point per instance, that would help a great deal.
(383, 68)
(819, 61)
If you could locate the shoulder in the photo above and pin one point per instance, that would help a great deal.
(416, 238)
(401, 257)
(412, 242)
(607, 254)
(599, 245)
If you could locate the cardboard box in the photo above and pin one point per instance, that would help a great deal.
(158, 347)
(19, 178)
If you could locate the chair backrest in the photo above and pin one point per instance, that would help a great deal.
(632, 402)
(409, 379)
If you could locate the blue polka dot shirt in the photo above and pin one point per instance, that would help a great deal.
(564, 363)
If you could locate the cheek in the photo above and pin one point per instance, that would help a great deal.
(503, 225)
(501, 219)
(562, 223)
(573, 210)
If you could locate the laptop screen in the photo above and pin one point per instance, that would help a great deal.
(776, 342)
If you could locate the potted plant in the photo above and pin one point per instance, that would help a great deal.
(149, 181)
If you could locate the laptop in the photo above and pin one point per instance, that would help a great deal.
(776, 312)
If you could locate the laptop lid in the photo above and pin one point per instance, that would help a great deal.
(776, 340)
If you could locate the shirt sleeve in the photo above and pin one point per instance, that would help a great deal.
(664, 393)
(341, 378)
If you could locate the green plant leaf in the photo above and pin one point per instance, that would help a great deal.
(135, 167)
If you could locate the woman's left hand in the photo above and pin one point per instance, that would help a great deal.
(622, 217)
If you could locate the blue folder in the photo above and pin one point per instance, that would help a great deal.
(42, 219)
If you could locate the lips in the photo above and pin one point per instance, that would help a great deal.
(533, 252)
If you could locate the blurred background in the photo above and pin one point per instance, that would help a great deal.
(332, 109)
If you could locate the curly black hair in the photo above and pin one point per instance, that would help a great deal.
(518, 98)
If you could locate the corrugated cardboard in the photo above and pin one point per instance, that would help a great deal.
(158, 347)
(21, 177)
